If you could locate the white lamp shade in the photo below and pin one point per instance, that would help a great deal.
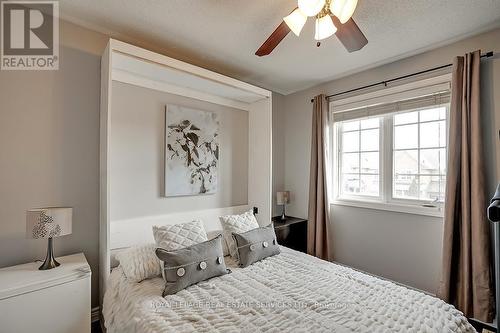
(283, 197)
(324, 28)
(49, 222)
(311, 7)
(296, 21)
(343, 9)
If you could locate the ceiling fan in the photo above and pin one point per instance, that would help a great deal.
(332, 17)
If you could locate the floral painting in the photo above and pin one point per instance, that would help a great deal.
(191, 151)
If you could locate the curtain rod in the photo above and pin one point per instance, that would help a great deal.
(486, 55)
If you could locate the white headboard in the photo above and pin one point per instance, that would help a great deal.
(136, 66)
(136, 231)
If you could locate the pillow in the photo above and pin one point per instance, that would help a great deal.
(177, 236)
(185, 267)
(238, 224)
(255, 245)
(139, 262)
(215, 233)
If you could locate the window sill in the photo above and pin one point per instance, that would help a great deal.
(393, 207)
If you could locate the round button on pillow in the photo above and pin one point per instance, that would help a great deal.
(265, 244)
(203, 265)
(181, 271)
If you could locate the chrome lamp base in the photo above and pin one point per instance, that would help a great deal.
(283, 215)
(50, 262)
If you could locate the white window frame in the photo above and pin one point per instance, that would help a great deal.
(385, 200)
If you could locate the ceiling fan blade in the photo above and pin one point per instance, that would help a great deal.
(350, 35)
(276, 37)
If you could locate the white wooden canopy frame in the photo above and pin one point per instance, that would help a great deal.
(133, 65)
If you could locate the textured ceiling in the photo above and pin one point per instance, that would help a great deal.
(222, 35)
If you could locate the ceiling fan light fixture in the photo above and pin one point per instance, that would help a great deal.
(311, 7)
(324, 27)
(343, 9)
(296, 21)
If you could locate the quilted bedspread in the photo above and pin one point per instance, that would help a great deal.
(290, 292)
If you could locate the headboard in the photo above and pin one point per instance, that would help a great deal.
(137, 231)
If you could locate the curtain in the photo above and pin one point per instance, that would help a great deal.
(318, 215)
(466, 279)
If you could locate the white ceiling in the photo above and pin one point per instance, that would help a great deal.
(223, 35)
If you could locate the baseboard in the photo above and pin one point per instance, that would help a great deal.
(94, 314)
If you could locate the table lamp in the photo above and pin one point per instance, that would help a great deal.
(49, 223)
(282, 198)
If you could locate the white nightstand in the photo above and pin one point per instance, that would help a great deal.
(53, 301)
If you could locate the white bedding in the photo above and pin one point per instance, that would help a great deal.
(290, 292)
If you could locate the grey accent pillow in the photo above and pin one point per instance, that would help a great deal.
(192, 264)
(255, 245)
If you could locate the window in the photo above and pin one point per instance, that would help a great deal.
(419, 155)
(360, 155)
(392, 154)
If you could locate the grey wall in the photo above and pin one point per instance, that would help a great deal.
(49, 150)
(404, 247)
(137, 173)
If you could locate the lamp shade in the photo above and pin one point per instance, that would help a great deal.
(282, 198)
(311, 7)
(343, 9)
(324, 27)
(48, 222)
(296, 21)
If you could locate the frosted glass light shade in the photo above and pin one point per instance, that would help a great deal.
(324, 28)
(296, 21)
(343, 9)
(49, 222)
(311, 7)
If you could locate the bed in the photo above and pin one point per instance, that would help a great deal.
(289, 292)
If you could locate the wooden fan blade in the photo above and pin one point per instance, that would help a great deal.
(350, 35)
(276, 37)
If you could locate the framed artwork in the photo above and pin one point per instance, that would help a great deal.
(191, 151)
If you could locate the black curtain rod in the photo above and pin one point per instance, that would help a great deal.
(486, 55)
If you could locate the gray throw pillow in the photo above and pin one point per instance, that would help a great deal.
(255, 245)
(192, 264)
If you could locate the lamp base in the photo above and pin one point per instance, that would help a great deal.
(283, 215)
(50, 262)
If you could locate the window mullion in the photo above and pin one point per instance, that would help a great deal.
(418, 156)
(388, 157)
(339, 159)
(359, 159)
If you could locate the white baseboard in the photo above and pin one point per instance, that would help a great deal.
(94, 314)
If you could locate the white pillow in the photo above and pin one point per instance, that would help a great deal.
(178, 236)
(238, 224)
(139, 262)
(215, 233)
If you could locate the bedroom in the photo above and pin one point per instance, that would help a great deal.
(91, 134)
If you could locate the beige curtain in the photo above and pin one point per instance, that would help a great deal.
(317, 231)
(466, 279)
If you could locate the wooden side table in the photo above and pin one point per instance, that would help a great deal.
(291, 232)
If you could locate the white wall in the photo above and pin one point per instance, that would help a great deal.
(404, 247)
(137, 155)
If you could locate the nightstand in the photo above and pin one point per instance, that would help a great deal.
(55, 300)
(291, 232)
